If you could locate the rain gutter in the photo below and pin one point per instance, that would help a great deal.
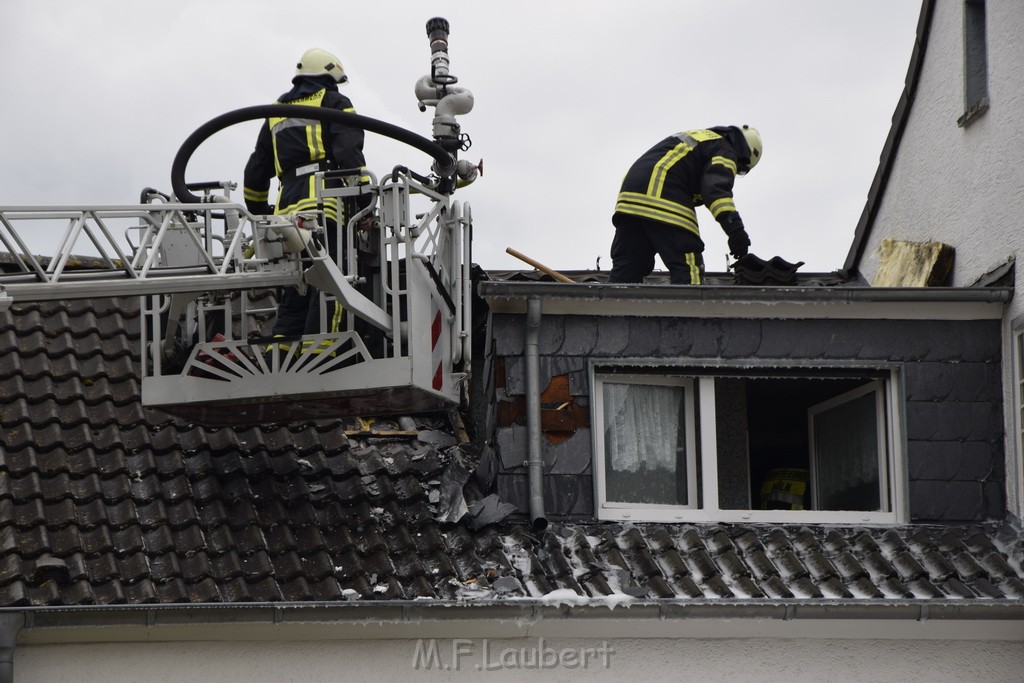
(704, 294)
(512, 616)
(742, 301)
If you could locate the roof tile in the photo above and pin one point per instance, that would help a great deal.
(701, 566)
(996, 565)
(129, 540)
(11, 568)
(1012, 587)
(121, 513)
(78, 593)
(266, 590)
(151, 515)
(250, 539)
(164, 566)
(235, 590)
(226, 566)
(158, 539)
(326, 589)
(803, 587)
(30, 513)
(861, 587)
(204, 590)
(189, 540)
(141, 593)
(775, 587)
(102, 568)
(97, 541)
(133, 568)
(892, 587)
(953, 587)
(14, 594)
(144, 508)
(173, 591)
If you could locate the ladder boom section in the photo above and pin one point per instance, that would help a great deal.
(141, 250)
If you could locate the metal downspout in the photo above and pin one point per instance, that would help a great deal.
(10, 626)
(536, 458)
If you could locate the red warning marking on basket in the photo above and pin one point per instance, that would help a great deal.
(435, 346)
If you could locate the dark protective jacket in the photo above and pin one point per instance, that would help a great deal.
(681, 172)
(293, 149)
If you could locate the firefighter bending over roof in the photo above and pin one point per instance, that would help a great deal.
(654, 212)
(293, 150)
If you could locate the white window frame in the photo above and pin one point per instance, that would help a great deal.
(881, 407)
(703, 376)
(1014, 473)
(640, 511)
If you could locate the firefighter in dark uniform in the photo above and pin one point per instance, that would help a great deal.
(654, 212)
(293, 150)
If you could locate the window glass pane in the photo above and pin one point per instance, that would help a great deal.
(846, 455)
(975, 53)
(645, 444)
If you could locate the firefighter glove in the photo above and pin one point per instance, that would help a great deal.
(738, 243)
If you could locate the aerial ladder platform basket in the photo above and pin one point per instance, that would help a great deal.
(395, 319)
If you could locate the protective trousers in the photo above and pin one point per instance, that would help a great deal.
(636, 242)
(299, 314)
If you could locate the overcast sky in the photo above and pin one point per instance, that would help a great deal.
(99, 95)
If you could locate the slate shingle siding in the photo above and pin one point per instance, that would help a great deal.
(950, 370)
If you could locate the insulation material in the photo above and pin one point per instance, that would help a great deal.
(913, 264)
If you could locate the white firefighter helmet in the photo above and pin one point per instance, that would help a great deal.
(317, 62)
(754, 143)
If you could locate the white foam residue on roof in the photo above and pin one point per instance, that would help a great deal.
(566, 596)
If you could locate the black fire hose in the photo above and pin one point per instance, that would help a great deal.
(445, 162)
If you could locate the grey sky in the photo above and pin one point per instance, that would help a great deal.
(99, 95)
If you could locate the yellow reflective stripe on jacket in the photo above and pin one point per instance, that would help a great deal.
(255, 195)
(657, 182)
(725, 161)
(666, 212)
(309, 203)
(314, 140)
(652, 204)
(314, 129)
(658, 203)
(720, 205)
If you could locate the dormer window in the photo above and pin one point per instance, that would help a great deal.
(732, 444)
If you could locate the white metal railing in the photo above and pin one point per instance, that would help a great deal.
(192, 264)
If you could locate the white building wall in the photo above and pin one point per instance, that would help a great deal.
(965, 186)
(645, 660)
(962, 186)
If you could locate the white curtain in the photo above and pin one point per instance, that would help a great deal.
(643, 426)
